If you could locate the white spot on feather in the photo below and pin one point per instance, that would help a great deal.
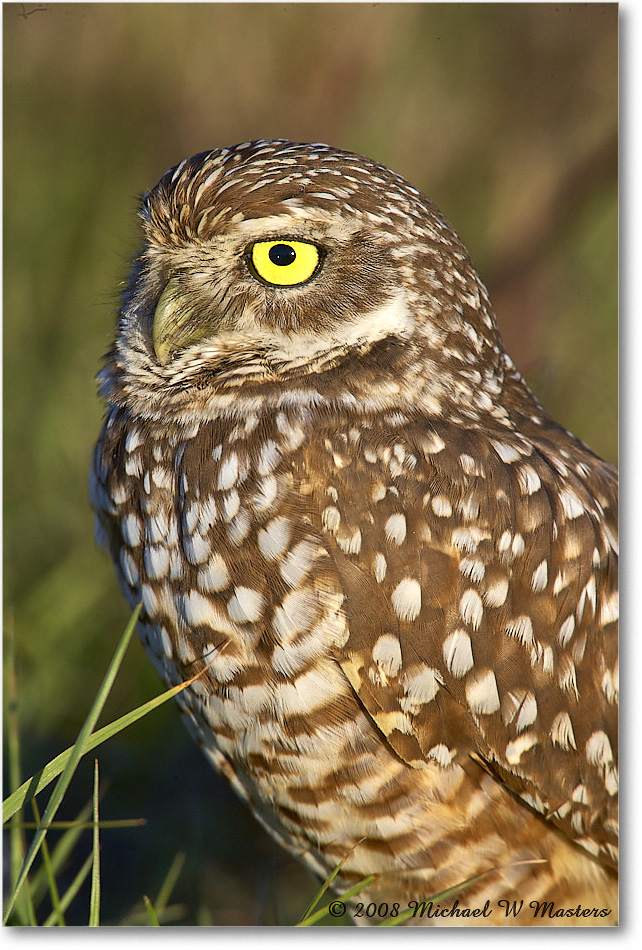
(504, 542)
(298, 562)
(228, 472)
(214, 576)
(231, 504)
(571, 504)
(128, 567)
(515, 749)
(611, 683)
(467, 540)
(269, 458)
(197, 548)
(529, 480)
(311, 690)
(266, 494)
(496, 593)
(507, 453)
(561, 582)
(470, 466)
(331, 519)
(458, 653)
(395, 529)
(441, 754)
(162, 478)
(131, 530)
(274, 538)
(386, 653)
(598, 749)
(350, 544)
(472, 568)
(156, 558)
(133, 440)
(567, 677)
(441, 506)
(239, 527)
(527, 713)
(481, 693)
(190, 517)
(580, 795)
(588, 595)
(207, 515)
(157, 527)
(611, 782)
(378, 491)
(566, 630)
(196, 609)
(562, 733)
(246, 605)
(432, 444)
(406, 599)
(471, 608)
(539, 579)
(419, 688)
(293, 434)
(521, 628)
(380, 566)
(298, 611)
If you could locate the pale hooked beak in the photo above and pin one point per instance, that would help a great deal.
(178, 321)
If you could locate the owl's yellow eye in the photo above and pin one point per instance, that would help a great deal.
(284, 263)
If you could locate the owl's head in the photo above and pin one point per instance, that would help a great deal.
(272, 268)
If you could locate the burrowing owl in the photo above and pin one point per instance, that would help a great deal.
(335, 496)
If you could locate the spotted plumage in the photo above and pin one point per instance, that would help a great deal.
(338, 501)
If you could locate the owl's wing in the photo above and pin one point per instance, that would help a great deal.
(480, 585)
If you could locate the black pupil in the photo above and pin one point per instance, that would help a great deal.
(282, 254)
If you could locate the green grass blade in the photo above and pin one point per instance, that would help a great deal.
(344, 898)
(151, 913)
(71, 891)
(170, 880)
(173, 913)
(84, 825)
(94, 900)
(40, 780)
(25, 911)
(77, 752)
(47, 867)
(319, 894)
(60, 853)
(328, 881)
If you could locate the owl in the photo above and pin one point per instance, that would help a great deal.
(341, 506)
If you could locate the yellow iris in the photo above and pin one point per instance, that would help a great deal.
(284, 263)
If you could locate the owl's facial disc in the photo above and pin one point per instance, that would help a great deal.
(180, 319)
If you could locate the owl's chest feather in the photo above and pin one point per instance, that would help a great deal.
(236, 582)
(207, 531)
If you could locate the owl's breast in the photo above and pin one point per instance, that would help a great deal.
(235, 583)
(205, 530)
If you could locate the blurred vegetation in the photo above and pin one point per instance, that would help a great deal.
(505, 115)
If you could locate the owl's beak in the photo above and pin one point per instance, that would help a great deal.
(175, 323)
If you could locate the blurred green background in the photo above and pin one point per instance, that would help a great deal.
(505, 115)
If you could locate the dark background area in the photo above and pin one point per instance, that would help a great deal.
(505, 115)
